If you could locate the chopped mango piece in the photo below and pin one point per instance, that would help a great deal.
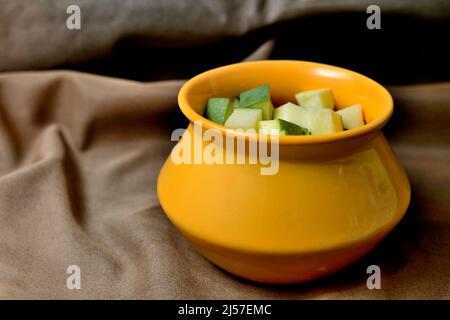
(325, 121)
(272, 127)
(280, 127)
(256, 95)
(244, 118)
(266, 108)
(320, 98)
(293, 113)
(351, 117)
(257, 98)
(218, 110)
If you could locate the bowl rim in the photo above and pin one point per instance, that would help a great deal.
(368, 128)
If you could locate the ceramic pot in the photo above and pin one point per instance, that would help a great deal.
(333, 198)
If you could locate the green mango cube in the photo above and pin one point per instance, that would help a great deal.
(292, 128)
(292, 113)
(325, 121)
(352, 117)
(257, 98)
(253, 96)
(218, 110)
(320, 98)
(266, 108)
(271, 127)
(280, 127)
(244, 118)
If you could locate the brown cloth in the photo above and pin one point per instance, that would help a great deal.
(39, 26)
(80, 156)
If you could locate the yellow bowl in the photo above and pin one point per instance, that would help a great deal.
(334, 197)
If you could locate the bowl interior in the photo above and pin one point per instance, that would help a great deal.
(286, 78)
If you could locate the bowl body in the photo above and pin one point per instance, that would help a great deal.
(331, 200)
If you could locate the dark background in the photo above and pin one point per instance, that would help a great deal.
(407, 49)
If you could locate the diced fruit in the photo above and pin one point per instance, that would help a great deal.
(351, 117)
(293, 113)
(269, 124)
(272, 127)
(218, 110)
(253, 96)
(280, 127)
(244, 118)
(257, 98)
(320, 98)
(292, 128)
(253, 109)
(325, 121)
(266, 108)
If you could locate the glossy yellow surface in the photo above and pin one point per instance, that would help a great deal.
(334, 196)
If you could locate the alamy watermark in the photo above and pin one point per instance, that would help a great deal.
(73, 281)
(73, 21)
(213, 147)
(374, 280)
(374, 20)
